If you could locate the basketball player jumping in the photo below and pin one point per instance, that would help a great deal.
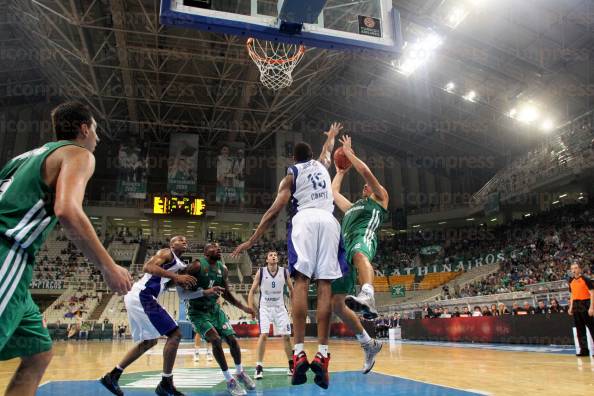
(271, 280)
(209, 319)
(38, 188)
(360, 227)
(149, 320)
(314, 248)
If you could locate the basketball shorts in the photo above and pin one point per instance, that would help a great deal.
(278, 317)
(148, 319)
(315, 246)
(216, 319)
(22, 329)
(356, 244)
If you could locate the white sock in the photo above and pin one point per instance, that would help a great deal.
(227, 375)
(323, 349)
(367, 288)
(167, 375)
(238, 368)
(119, 368)
(363, 338)
(259, 364)
(298, 349)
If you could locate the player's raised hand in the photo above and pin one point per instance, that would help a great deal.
(241, 248)
(334, 130)
(118, 279)
(218, 290)
(346, 144)
(185, 281)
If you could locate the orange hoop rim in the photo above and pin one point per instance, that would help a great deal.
(270, 61)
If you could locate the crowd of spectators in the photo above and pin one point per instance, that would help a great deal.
(499, 309)
(542, 250)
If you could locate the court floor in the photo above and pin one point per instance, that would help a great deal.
(401, 369)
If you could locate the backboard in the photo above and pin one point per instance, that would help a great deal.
(355, 25)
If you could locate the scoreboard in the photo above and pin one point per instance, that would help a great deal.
(182, 206)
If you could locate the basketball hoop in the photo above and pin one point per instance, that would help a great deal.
(275, 61)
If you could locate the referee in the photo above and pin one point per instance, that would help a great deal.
(581, 306)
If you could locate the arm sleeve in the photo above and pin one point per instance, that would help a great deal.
(589, 283)
(189, 295)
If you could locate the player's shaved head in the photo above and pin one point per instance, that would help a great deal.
(210, 246)
(302, 152)
(177, 238)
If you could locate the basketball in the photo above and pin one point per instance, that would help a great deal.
(341, 160)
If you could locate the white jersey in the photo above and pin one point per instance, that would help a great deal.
(312, 187)
(272, 287)
(155, 285)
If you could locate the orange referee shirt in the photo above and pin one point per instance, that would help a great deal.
(580, 288)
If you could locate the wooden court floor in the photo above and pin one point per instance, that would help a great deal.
(486, 371)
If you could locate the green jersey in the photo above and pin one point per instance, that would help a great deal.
(209, 277)
(26, 202)
(363, 219)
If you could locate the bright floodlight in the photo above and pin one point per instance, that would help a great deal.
(470, 96)
(450, 87)
(547, 125)
(418, 53)
(456, 16)
(512, 113)
(528, 114)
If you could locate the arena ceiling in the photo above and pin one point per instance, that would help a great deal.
(140, 76)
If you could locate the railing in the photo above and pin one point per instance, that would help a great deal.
(532, 294)
(240, 288)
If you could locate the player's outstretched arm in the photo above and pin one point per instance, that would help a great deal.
(253, 289)
(185, 294)
(281, 201)
(325, 156)
(340, 200)
(155, 267)
(75, 171)
(230, 297)
(361, 167)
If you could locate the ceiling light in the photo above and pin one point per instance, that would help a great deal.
(456, 16)
(528, 114)
(547, 125)
(513, 112)
(450, 87)
(442, 222)
(562, 196)
(470, 219)
(416, 226)
(494, 219)
(470, 96)
(528, 215)
(555, 202)
(417, 53)
(116, 219)
(143, 220)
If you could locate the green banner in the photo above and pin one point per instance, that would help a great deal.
(183, 164)
(398, 291)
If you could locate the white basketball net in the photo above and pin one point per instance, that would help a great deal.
(275, 61)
